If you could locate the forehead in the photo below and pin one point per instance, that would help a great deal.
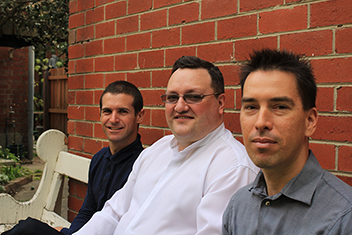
(189, 80)
(120, 100)
(268, 84)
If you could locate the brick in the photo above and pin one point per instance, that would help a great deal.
(310, 43)
(84, 65)
(344, 99)
(325, 99)
(332, 70)
(345, 158)
(153, 20)
(71, 127)
(246, 5)
(93, 81)
(229, 99)
(105, 29)
(97, 95)
(75, 112)
(343, 40)
(152, 97)
(127, 25)
(103, 64)
(138, 41)
(346, 179)
(76, 20)
(139, 79)
(325, 153)
(75, 82)
(71, 215)
(237, 27)
(115, 10)
(232, 122)
(75, 143)
(158, 118)
(219, 52)
(72, 187)
(85, 33)
(94, 48)
(146, 120)
(162, 3)
(330, 13)
(92, 146)
(184, 13)
(102, 2)
(245, 47)
(109, 78)
(171, 55)
(151, 59)
(160, 77)
(197, 33)
(92, 113)
(230, 74)
(73, 6)
(135, 6)
(84, 97)
(214, 8)
(75, 51)
(125, 62)
(95, 15)
(81, 189)
(98, 131)
(71, 97)
(74, 203)
(72, 37)
(114, 45)
(166, 37)
(334, 129)
(283, 20)
(84, 128)
(83, 5)
(149, 136)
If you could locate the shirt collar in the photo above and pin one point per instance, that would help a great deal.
(135, 146)
(300, 188)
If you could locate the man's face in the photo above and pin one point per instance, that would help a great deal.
(118, 120)
(191, 122)
(274, 125)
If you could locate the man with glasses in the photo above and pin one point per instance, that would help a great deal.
(183, 182)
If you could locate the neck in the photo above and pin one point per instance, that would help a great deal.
(116, 147)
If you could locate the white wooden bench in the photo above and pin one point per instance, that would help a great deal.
(52, 149)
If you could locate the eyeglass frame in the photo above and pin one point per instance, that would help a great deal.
(178, 97)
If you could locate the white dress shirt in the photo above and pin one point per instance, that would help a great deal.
(172, 192)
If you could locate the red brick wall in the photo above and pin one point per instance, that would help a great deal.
(138, 41)
(13, 92)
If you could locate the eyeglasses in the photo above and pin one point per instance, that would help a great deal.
(189, 98)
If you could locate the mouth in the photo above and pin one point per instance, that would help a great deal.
(263, 142)
(114, 128)
(183, 117)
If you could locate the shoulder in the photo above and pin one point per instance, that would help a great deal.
(338, 187)
(100, 155)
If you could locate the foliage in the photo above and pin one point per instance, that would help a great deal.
(6, 154)
(13, 172)
(47, 20)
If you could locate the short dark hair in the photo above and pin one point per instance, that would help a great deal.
(127, 88)
(192, 62)
(268, 59)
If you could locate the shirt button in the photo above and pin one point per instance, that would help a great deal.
(267, 203)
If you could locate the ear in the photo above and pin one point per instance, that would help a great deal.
(140, 116)
(311, 122)
(221, 100)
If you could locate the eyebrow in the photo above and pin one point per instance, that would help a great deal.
(275, 99)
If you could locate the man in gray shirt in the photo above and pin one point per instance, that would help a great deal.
(292, 194)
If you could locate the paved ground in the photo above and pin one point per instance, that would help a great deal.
(27, 191)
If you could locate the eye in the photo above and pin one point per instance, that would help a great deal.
(281, 107)
(193, 97)
(123, 111)
(249, 107)
(171, 98)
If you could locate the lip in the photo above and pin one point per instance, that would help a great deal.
(183, 117)
(113, 128)
(263, 142)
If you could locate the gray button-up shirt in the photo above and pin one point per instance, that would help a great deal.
(314, 202)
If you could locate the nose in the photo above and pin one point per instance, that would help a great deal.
(264, 120)
(114, 117)
(181, 105)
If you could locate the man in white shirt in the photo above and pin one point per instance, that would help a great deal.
(182, 183)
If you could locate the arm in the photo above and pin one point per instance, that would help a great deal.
(217, 195)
